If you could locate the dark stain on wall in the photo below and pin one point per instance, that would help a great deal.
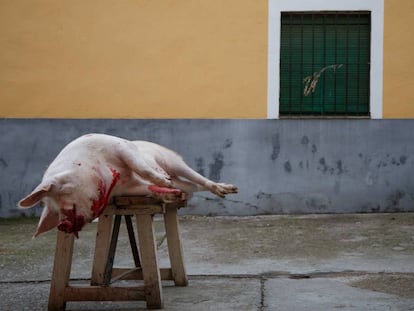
(394, 201)
(199, 163)
(304, 140)
(288, 167)
(262, 194)
(322, 165)
(394, 161)
(228, 143)
(400, 161)
(216, 166)
(325, 168)
(382, 164)
(3, 163)
(339, 167)
(275, 146)
(317, 203)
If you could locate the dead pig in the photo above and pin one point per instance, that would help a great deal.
(93, 168)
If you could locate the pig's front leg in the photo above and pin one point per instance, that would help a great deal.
(130, 155)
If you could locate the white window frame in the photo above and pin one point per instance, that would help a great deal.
(276, 7)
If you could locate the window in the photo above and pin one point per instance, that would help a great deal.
(332, 92)
(324, 63)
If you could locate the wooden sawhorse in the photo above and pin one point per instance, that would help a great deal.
(145, 257)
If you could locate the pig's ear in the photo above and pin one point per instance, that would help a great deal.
(48, 221)
(37, 194)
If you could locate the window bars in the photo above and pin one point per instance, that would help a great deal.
(325, 63)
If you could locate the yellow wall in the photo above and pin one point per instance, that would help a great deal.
(399, 59)
(133, 58)
(160, 59)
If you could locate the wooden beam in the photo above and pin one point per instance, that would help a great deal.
(175, 249)
(104, 293)
(136, 274)
(149, 261)
(102, 241)
(61, 270)
(134, 210)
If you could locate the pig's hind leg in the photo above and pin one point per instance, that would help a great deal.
(197, 182)
(138, 165)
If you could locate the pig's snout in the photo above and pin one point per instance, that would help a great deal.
(65, 226)
(72, 223)
(70, 226)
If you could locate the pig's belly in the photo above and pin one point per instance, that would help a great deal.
(131, 186)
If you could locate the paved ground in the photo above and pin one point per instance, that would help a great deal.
(286, 263)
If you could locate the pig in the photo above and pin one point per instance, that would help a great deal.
(93, 168)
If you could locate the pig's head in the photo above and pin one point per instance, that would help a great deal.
(68, 201)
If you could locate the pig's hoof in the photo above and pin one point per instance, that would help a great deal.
(222, 189)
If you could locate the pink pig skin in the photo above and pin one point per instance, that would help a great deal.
(92, 169)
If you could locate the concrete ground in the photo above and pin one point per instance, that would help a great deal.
(284, 263)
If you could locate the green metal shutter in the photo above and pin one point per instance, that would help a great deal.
(325, 63)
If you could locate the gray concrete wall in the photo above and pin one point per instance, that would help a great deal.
(280, 166)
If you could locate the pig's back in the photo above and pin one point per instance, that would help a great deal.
(86, 151)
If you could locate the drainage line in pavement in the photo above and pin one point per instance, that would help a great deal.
(261, 276)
